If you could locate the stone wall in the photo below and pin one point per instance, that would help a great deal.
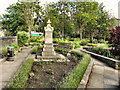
(6, 41)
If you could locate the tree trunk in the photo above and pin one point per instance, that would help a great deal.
(29, 29)
(80, 28)
(91, 38)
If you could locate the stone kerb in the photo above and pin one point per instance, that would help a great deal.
(86, 76)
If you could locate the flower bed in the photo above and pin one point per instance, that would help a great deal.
(52, 74)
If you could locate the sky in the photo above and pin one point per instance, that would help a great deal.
(110, 5)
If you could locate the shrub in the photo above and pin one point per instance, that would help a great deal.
(20, 80)
(102, 41)
(115, 39)
(101, 51)
(33, 39)
(4, 51)
(76, 45)
(34, 50)
(77, 53)
(63, 51)
(74, 78)
(95, 41)
(91, 44)
(84, 42)
(71, 39)
(22, 38)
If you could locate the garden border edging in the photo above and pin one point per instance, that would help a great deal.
(86, 76)
(109, 61)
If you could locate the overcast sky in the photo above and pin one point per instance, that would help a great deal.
(110, 5)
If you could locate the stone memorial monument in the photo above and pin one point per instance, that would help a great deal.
(48, 50)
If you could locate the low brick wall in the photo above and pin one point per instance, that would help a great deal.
(109, 61)
(6, 41)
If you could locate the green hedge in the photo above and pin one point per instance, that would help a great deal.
(34, 51)
(20, 80)
(100, 51)
(73, 80)
(62, 50)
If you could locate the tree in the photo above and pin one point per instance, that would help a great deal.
(20, 17)
(11, 21)
(27, 15)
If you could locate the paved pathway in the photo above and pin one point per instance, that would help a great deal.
(9, 68)
(103, 76)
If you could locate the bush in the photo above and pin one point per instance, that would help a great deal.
(102, 41)
(33, 39)
(71, 39)
(73, 80)
(20, 80)
(22, 38)
(91, 44)
(63, 51)
(101, 51)
(76, 45)
(34, 50)
(4, 51)
(84, 42)
(95, 41)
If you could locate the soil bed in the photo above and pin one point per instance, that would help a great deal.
(50, 74)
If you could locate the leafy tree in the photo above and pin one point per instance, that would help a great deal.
(11, 21)
(20, 17)
(28, 9)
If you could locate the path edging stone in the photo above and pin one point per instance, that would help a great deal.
(86, 76)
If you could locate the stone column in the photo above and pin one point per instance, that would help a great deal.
(48, 50)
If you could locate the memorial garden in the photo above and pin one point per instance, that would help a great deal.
(73, 36)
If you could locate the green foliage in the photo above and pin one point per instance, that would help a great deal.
(91, 44)
(84, 42)
(95, 41)
(76, 44)
(101, 51)
(73, 80)
(4, 51)
(16, 47)
(102, 41)
(20, 80)
(80, 54)
(22, 38)
(36, 39)
(34, 51)
(8, 33)
(63, 51)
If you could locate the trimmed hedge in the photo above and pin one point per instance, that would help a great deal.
(62, 50)
(20, 80)
(101, 51)
(35, 49)
(73, 80)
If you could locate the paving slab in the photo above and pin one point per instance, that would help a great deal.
(103, 76)
(9, 68)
